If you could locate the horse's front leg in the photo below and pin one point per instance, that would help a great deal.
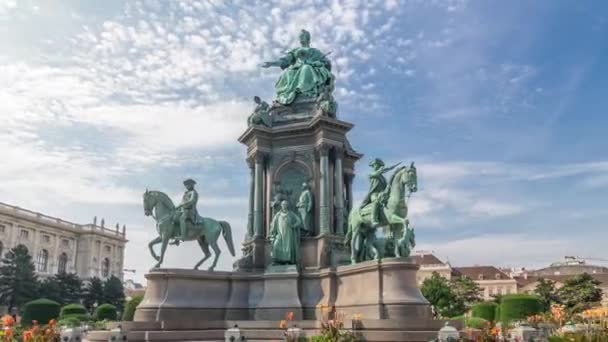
(151, 245)
(163, 249)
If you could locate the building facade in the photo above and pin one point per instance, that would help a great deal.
(56, 245)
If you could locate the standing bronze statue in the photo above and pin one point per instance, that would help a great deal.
(305, 207)
(285, 236)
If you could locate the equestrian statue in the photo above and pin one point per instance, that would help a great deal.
(384, 206)
(183, 223)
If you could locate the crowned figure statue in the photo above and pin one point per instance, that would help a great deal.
(306, 72)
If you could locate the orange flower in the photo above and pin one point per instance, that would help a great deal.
(27, 335)
(8, 332)
(7, 320)
(283, 324)
(48, 332)
(52, 322)
(289, 316)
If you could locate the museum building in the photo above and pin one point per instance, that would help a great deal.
(56, 245)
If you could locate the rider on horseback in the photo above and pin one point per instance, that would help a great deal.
(377, 194)
(186, 211)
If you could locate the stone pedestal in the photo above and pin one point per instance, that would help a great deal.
(280, 294)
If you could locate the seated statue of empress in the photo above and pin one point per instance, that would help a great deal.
(306, 72)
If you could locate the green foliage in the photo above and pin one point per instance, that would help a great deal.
(130, 307)
(49, 288)
(73, 309)
(476, 323)
(113, 292)
(93, 293)
(18, 282)
(436, 289)
(485, 310)
(41, 310)
(518, 307)
(69, 321)
(63, 288)
(106, 312)
(466, 290)
(580, 292)
(545, 290)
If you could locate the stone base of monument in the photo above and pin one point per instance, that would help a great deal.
(185, 305)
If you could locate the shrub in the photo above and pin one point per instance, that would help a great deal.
(69, 321)
(73, 309)
(130, 307)
(485, 310)
(42, 310)
(518, 307)
(476, 323)
(106, 312)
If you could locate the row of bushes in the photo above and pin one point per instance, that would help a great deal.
(44, 310)
(512, 307)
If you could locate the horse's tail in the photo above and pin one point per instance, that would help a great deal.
(227, 233)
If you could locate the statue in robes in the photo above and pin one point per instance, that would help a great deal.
(285, 236)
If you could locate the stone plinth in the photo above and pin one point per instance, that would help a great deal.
(376, 289)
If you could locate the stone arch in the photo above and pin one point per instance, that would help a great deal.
(291, 174)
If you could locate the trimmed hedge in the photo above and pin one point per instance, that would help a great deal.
(518, 306)
(485, 310)
(130, 307)
(69, 321)
(41, 310)
(476, 323)
(73, 309)
(106, 312)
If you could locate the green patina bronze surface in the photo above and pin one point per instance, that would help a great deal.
(384, 206)
(260, 115)
(182, 223)
(305, 207)
(306, 72)
(285, 236)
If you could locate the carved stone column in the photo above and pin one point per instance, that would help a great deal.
(339, 192)
(324, 218)
(250, 231)
(349, 191)
(258, 196)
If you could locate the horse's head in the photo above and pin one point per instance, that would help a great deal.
(412, 178)
(149, 202)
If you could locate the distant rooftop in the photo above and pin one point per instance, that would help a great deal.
(30, 215)
(481, 273)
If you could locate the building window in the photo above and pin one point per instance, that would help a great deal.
(2, 228)
(24, 234)
(108, 249)
(480, 277)
(43, 260)
(46, 238)
(1, 250)
(105, 268)
(62, 265)
(65, 243)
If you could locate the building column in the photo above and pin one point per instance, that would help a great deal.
(324, 218)
(339, 192)
(250, 232)
(349, 192)
(258, 218)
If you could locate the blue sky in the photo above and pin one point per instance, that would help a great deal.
(501, 104)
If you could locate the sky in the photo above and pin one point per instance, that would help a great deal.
(501, 104)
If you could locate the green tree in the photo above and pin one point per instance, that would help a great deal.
(466, 290)
(70, 288)
(580, 292)
(438, 292)
(93, 293)
(64, 288)
(18, 282)
(545, 290)
(50, 289)
(114, 293)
